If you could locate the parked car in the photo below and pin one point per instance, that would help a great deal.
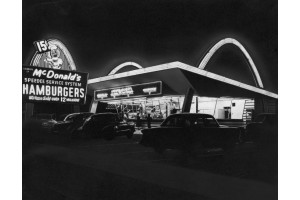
(188, 132)
(106, 125)
(71, 122)
(264, 129)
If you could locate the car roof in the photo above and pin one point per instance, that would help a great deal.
(99, 114)
(82, 113)
(192, 114)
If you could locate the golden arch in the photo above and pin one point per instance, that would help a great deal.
(116, 69)
(222, 42)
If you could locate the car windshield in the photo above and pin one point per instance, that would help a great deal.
(174, 121)
(210, 122)
(78, 117)
(70, 117)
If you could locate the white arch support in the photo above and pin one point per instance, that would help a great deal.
(116, 69)
(222, 42)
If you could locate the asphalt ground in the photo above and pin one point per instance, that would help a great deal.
(60, 167)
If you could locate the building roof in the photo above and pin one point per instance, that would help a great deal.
(177, 77)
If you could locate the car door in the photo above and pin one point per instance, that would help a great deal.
(209, 132)
(197, 133)
(172, 132)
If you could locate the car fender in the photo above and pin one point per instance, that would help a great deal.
(107, 128)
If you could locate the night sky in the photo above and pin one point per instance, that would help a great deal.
(103, 34)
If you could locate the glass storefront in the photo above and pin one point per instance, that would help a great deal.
(161, 107)
(158, 107)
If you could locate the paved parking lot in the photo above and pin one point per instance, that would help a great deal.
(236, 164)
(125, 161)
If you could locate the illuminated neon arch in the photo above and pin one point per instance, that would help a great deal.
(116, 69)
(222, 42)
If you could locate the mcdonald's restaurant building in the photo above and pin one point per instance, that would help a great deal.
(170, 88)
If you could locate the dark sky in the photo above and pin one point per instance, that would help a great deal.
(102, 34)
